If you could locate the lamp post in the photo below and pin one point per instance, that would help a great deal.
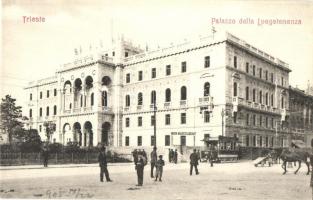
(154, 127)
(223, 114)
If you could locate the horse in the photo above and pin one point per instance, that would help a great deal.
(295, 155)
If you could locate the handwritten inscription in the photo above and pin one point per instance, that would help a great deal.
(70, 193)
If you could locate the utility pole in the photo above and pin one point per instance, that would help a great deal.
(222, 114)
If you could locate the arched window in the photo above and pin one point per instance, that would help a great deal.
(30, 113)
(54, 110)
(40, 112)
(91, 99)
(282, 102)
(81, 101)
(183, 93)
(168, 95)
(253, 95)
(235, 89)
(206, 91)
(266, 99)
(139, 99)
(153, 97)
(260, 96)
(104, 100)
(47, 111)
(247, 93)
(127, 101)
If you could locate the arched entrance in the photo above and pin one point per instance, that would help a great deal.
(88, 134)
(106, 127)
(77, 134)
(66, 133)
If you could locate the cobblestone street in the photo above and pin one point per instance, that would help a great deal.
(223, 181)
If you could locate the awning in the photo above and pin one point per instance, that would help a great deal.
(298, 143)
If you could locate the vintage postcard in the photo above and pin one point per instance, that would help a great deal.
(156, 99)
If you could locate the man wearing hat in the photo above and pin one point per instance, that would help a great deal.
(102, 158)
(194, 162)
(159, 168)
(154, 158)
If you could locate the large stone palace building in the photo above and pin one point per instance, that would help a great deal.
(210, 87)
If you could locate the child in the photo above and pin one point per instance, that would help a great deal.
(159, 168)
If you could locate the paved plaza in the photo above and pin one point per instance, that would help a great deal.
(223, 181)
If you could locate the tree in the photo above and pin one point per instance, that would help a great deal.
(11, 118)
(32, 141)
(49, 129)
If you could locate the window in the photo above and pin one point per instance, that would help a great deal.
(261, 121)
(48, 93)
(272, 143)
(152, 120)
(168, 70)
(282, 102)
(139, 121)
(247, 67)
(235, 61)
(253, 70)
(113, 53)
(139, 99)
(70, 106)
(253, 95)
(30, 96)
(153, 73)
(127, 100)
(272, 100)
(127, 78)
(266, 99)
(92, 99)
(235, 89)
(40, 128)
(282, 81)
(260, 97)
(266, 141)
(260, 72)
(183, 141)
(168, 95)
(266, 75)
(183, 93)
(40, 112)
(266, 122)
(167, 140)
(104, 100)
(261, 141)
(206, 89)
(153, 97)
(167, 119)
(30, 113)
(54, 110)
(127, 122)
(183, 118)
(272, 77)
(139, 141)
(206, 116)
(140, 76)
(126, 54)
(235, 117)
(47, 111)
(81, 101)
(40, 96)
(183, 67)
(127, 141)
(254, 141)
(247, 140)
(254, 120)
(247, 93)
(207, 62)
(248, 119)
(272, 122)
(55, 92)
(152, 140)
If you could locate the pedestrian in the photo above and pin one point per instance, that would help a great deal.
(144, 154)
(211, 157)
(103, 165)
(199, 155)
(140, 167)
(169, 155)
(153, 160)
(194, 162)
(175, 156)
(172, 155)
(45, 156)
(135, 156)
(311, 182)
(159, 168)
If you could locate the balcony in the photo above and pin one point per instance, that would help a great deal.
(77, 110)
(105, 109)
(126, 109)
(206, 100)
(152, 107)
(167, 105)
(139, 107)
(183, 103)
(87, 109)
(67, 111)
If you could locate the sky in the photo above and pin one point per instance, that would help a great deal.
(31, 51)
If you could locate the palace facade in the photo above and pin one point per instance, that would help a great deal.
(200, 89)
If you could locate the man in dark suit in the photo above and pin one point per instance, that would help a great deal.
(194, 162)
(154, 159)
(140, 164)
(103, 165)
(45, 155)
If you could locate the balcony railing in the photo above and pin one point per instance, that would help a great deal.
(167, 104)
(126, 109)
(139, 107)
(206, 100)
(77, 110)
(105, 109)
(88, 109)
(67, 111)
(183, 103)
